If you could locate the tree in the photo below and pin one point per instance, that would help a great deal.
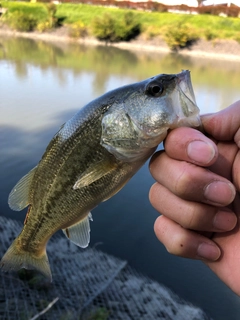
(200, 2)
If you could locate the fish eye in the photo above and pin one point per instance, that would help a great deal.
(154, 89)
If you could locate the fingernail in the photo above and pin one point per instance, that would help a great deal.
(220, 192)
(208, 251)
(224, 220)
(201, 151)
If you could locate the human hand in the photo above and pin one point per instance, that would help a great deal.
(197, 193)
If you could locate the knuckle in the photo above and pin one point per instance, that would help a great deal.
(199, 217)
(154, 163)
(191, 217)
(178, 246)
(153, 193)
(184, 180)
(177, 240)
(177, 250)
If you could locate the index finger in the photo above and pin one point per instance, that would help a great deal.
(191, 145)
(224, 125)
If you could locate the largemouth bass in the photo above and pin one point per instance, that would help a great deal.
(91, 158)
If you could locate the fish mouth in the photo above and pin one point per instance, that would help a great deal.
(189, 108)
(185, 86)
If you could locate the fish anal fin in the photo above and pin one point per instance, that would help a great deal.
(14, 260)
(94, 173)
(79, 233)
(19, 196)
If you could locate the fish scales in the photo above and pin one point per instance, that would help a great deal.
(62, 176)
(91, 158)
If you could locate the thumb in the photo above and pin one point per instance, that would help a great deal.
(224, 125)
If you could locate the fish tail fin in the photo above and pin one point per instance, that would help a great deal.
(13, 260)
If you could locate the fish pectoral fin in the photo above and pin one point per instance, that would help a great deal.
(19, 196)
(79, 233)
(94, 173)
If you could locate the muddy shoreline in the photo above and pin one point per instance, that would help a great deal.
(217, 49)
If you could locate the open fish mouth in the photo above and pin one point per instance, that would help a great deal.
(189, 108)
(185, 86)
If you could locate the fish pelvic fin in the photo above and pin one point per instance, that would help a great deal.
(14, 260)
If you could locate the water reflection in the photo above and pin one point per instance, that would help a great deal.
(102, 59)
(43, 85)
(104, 63)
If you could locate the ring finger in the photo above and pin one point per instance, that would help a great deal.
(191, 215)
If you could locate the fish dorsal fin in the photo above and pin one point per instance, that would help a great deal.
(79, 233)
(18, 197)
(94, 173)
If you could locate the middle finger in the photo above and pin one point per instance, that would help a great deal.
(191, 182)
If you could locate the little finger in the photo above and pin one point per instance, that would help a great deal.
(185, 243)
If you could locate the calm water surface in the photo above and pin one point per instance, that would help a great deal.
(42, 85)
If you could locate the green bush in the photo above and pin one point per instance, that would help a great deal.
(37, 10)
(152, 32)
(103, 28)
(210, 34)
(128, 27)
(28, 17)
(77, 30)
(43, 26)
(21, 21)
(180, 36)
(110, 29)
(52, 19)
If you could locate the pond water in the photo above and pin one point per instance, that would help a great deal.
(42, 85)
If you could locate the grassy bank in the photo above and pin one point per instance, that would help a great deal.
(39, 10)
(178, 30)
(224, 27)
